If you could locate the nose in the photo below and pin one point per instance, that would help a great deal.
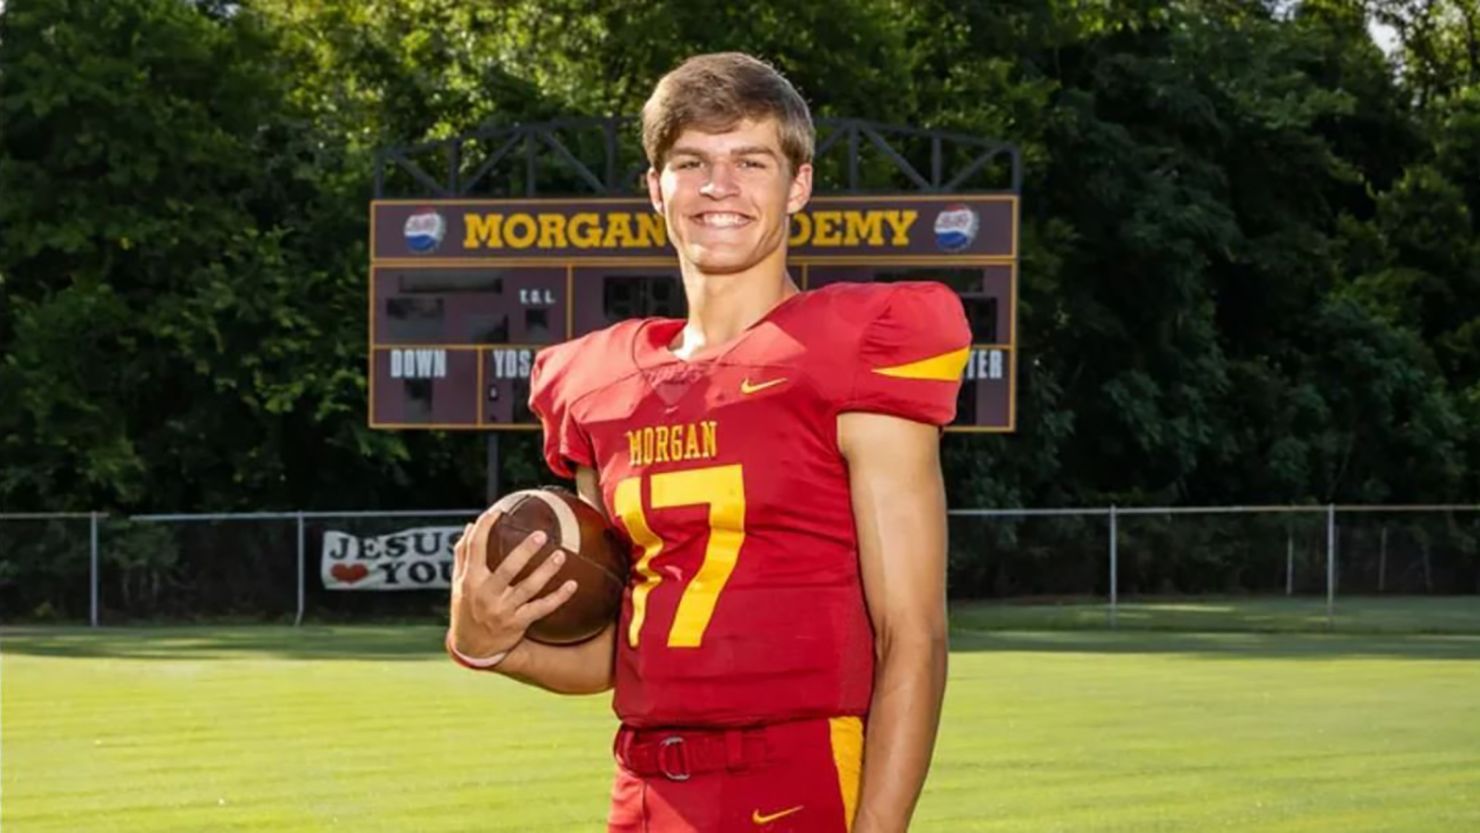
(721, 182)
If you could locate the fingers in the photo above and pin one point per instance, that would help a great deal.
(489, 608)
(544, 606)
(536, 580)
(477, 544)
(460, 555)
(519, 556)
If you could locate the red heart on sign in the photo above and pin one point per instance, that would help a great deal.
(349, 573)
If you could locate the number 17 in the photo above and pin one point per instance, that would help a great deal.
(723, 489)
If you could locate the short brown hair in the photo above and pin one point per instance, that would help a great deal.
(714, 93)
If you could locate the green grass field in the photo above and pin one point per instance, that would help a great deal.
(371, 729)
(1299, 614)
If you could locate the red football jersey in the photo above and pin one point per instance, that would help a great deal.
(745, 604)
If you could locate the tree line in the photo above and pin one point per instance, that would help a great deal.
(1250, 264)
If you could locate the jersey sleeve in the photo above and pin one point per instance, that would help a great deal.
(552, 395)
(911, 354)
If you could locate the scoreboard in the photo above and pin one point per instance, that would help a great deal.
(463, 293)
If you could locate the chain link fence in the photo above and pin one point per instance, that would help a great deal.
(1266, 568)
(1274, 567)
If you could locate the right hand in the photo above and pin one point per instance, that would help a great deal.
(489, 613)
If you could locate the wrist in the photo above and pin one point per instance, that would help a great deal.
(475, 663)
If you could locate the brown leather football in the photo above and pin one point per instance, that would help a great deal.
(596, 557)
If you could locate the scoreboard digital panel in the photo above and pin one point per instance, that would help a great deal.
(463, 293)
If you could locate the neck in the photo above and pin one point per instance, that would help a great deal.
(721, 307)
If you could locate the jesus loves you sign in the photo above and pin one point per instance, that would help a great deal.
(412, 559)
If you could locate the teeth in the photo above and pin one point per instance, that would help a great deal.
(722, 220)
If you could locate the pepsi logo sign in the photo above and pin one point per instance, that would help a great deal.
(424, 231)
(956, 227)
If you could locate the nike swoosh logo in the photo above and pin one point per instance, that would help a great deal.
(747, 388)
(756, 816)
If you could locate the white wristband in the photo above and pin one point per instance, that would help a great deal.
(484, 663)
(476, 663)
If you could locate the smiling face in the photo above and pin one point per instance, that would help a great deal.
(728, 197)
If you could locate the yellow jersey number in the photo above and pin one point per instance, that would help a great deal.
(723, 489)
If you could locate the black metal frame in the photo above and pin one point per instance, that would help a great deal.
(540, 144)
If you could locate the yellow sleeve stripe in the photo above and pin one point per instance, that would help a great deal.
(946, 367)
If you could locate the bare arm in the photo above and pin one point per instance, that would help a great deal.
(575, 669)
(899, 509)
(490, 616)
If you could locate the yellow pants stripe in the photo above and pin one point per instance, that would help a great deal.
(847, 750)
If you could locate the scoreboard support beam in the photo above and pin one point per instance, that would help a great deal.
(494, 490)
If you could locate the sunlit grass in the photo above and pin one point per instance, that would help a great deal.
(1356, 615)
(371, 729)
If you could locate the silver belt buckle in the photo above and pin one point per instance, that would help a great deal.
(679, 772)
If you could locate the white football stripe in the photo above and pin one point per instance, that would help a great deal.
(570, 528)
(508, 502)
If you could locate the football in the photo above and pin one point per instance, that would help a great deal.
(596, 558)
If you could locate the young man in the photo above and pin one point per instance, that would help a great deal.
(780, 658)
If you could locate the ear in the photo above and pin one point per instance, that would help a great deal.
(655, 189)
(800, 192)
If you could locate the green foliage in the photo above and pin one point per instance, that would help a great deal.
(1250, 265)
(44, 566)
(142, 559)
(184, 269)
(1439, 43)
